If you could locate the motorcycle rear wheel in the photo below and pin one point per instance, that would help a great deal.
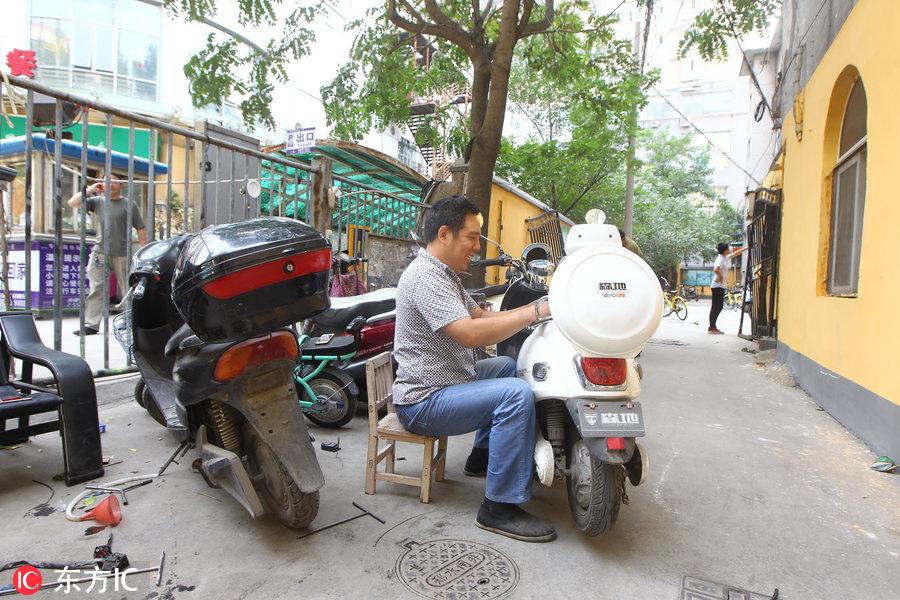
(594, 489)
(292, 507)
(341, 402)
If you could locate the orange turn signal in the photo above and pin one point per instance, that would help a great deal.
(251, 353)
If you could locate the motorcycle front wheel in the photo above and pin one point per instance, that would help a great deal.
(340, 402)
(594, 489)
(292, 507)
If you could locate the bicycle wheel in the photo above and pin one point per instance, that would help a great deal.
(667, 307)
(728, 304)
(680, 308)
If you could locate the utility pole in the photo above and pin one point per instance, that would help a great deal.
(640, 55)
(629, 177)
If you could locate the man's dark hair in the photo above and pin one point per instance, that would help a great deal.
(451, 211)
(721, 247)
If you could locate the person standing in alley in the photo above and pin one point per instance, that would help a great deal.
(115, 207)
(720, 273)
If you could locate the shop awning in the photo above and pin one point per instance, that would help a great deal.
(96, 155)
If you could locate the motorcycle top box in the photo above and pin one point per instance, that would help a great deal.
(240, 280)
(605, 299)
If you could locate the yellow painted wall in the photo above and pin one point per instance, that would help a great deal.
(854, 337)
(507, 227)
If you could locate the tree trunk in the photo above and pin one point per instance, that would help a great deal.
(486, 139)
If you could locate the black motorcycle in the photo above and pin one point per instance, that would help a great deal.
(208, 332)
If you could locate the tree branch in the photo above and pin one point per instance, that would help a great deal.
(455, 35)
(543, 24)
(600, 176)
(526, 16)
(454, 32)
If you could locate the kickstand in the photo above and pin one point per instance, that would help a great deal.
(183, 447)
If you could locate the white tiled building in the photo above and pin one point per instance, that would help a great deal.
(714, 96)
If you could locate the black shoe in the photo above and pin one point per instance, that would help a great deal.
(476, 464)
(513, 522)
(87, 331)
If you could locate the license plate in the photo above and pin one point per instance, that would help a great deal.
(610, 419)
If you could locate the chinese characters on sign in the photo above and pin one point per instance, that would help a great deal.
(42, 282)
(21, 62)
(300, 140)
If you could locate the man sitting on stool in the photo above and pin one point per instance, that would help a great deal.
(441, 390)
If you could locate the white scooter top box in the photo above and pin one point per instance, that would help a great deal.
(605, 299)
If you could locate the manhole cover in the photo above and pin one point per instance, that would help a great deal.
(456, 570)
(698, 589)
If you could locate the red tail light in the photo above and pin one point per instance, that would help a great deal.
(605, 371)
(268, 273)
(252, 353)
(615, 443)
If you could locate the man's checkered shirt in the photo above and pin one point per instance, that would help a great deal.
(429, 297)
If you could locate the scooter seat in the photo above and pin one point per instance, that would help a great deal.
(339, 345)
(344, 310)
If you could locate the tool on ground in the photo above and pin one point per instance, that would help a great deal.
(117, 490)
(107, 512)
(70, 514)
(347, 520)
(331, 446)
(162, 561)
(183, 447)
(111, 560)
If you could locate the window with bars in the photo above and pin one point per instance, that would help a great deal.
(848, 197)
(105, 46)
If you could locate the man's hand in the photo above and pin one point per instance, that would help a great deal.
(95, 189)
(480, 330)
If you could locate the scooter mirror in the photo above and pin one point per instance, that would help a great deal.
(541, 268)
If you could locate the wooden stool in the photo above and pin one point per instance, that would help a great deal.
(379, 381)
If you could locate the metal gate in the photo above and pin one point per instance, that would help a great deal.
(546, 228)
(763, 236)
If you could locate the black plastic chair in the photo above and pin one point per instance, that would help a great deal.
(74, 399)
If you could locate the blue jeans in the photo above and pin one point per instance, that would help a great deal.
(500, 407)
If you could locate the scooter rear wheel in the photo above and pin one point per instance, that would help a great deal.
(594, 489)
(292, 507)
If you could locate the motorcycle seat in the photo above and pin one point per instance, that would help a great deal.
(344, 310)
(339, 345)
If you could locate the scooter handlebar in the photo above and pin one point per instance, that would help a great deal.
(140, 288)
(492, 262)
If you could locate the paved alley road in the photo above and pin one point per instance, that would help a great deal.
(750, 485)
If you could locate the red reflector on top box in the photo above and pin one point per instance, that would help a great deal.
(268, 274)
(242, 280)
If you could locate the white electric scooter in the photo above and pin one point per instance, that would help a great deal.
(606, 304)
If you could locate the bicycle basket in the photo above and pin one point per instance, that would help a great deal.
(121, 326)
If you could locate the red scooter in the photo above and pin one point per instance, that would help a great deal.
(335, 345)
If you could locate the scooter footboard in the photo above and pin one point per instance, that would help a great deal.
(597, 421)
(268, 400)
